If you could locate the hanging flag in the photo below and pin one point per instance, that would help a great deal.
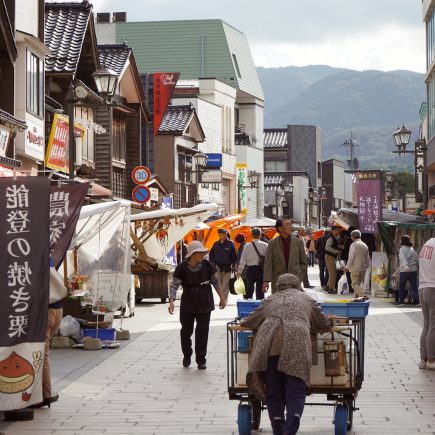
(24, 281)
(164, 85)
(369, 197)
(66, 202)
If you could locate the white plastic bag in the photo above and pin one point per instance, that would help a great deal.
(343, 285)
(58, 290)
(70, 327)
(239, 286)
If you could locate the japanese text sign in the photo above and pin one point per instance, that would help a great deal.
(24, 281)
(369, 197)
(164, 85)
(242, 174)
(57, 155)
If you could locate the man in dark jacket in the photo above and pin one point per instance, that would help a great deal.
(320, 254)
(223, 256)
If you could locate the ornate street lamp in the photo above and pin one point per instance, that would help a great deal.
(106, 81)
(401, 138)
(253, 177)
(201, 160)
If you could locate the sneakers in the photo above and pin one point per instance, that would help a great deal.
(186, 362)
(400, 305)
(202, 366)
(422, 364)
(430, 365)
(418, 305)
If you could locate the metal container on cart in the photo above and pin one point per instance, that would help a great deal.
(153, 284)
(337, 370)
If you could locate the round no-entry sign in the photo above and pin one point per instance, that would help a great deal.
(140, 174)
(141, 194)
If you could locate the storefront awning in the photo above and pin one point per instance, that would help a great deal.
(8, 172)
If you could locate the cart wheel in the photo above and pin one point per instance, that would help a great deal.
(244, 419)
(341, 419)
(256, 413)
(349, 404)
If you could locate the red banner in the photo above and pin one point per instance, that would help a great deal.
(164, 85)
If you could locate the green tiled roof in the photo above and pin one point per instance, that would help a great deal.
(177, 46)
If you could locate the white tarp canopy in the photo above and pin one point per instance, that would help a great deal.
(167, 226)
(102, 241)
(260, 222)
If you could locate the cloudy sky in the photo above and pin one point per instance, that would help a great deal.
(356, 34)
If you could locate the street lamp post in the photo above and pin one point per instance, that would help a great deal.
(253, 177)
(201, 160)
(401, 138)
(287, 190)
(105, 81)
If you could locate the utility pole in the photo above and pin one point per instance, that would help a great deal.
(351, 144)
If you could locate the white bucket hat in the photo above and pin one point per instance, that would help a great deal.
(195, 246)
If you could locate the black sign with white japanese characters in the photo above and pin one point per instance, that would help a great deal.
(65, 204)
(24, 282)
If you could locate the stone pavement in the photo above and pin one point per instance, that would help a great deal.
(142, 388)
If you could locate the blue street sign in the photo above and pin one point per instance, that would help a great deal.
(141, 194)
(214, 160)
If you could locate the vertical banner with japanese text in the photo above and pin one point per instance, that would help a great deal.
(65, 204)
(24, 284)
(369, 197)
(242, 175)
(164, 85)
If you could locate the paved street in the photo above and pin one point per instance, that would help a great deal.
(142, 388)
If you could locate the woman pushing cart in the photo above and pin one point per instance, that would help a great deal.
(289, 360)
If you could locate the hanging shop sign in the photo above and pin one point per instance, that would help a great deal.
(24, 276)
(4, 139)
(214, 160)
(212, 176)
(57, 155)
(369, 197)
(164, 85)
(242, 176)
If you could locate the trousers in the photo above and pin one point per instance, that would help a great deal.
(427, 338)
(254, 277)
(187, 321)
(332, 272)
(358, 281)
(284, 393)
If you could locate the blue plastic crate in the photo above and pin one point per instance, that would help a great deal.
(349, 309)
(243, 341)
(102, 334)
(244, 307)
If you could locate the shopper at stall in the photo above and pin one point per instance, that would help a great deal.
(251, 260)
(426, 292)
(282, 350)
(408, 266)
(197, 276)
(331, 253)
(241, 239)
(311, 248)
(302, 235)
(357, 263)
(223, 256)
(284, 254)
(320, 254)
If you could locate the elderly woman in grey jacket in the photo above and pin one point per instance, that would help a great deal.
(282, 350)
(408, 266)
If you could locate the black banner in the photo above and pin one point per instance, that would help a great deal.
(65, 204)
(24, 282)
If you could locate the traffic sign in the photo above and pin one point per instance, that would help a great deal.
(140, 174)
(141, 194)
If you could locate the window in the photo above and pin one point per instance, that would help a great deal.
(275, 165)
(119, 183)
(35, 84)
(236, 65)
(119, 136)
(215, 186)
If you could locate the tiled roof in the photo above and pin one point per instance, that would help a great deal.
(114, 56)
(176, 119)
(275, 138)
(9, 119)
(273, 180)
(65, 29)
(53, 104)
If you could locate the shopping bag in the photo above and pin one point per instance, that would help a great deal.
(239, 286)
(57, 287)
(343, 285)
(231, 284)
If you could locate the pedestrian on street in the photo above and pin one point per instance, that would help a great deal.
(197, 276)
(426, 290)
(301, 235)
(284, 254)
(331, 253)
(358, 262)
(408, 266)
(223, 256)
(344, 254)
(282, 349)
(251, 262)
(311, 248)
(320, 254)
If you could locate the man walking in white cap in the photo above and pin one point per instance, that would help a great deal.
(197, 276)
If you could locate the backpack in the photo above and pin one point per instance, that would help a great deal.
(261, 258)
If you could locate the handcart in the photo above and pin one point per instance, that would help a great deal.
(337, 368)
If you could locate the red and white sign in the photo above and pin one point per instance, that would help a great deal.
(164, 85)
(140, 174)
